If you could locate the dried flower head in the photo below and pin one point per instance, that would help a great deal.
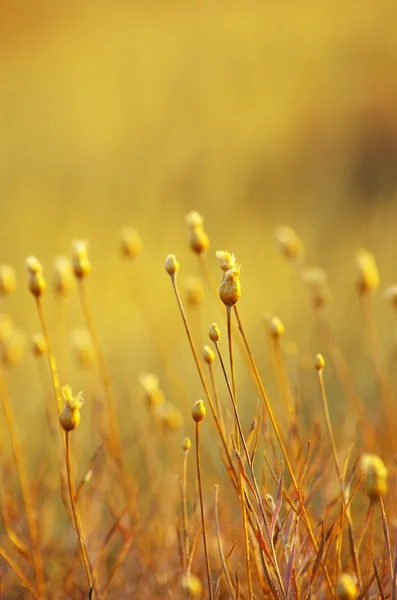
(36, 281)
(5, 327)
(171, 265)
(63, 278)
(38, 345)
(230, 288)
(7, 280)
(276, 327)
(83, 347)
(13, 348)
(154, 395)
(198, 239)
(194, 291)
(198, 411)
(346, 588)
(316, 281)
(367, 278)
(170, 416)
(289, 243)
(375, 475)
(319, 362)
(226, 260)
(70, 416)
(130, 242)
(214, 333)
(187, 444)
(191, 585)
(208, 355)
(81, 262)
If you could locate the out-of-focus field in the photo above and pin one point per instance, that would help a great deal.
(253, 114)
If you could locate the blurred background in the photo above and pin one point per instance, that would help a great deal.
(253, 114)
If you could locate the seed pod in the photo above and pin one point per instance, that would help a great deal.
(36, 282)
(70, 416)
(171, 265)
(230, 289)
(63, 279)
(346, 588)
(208, 355)
(7, 280)
(367, 272)
(276, 328)
(214, 333)
(187, 444)
(198, 411)
(319, 362)
(81, 262)
(375, 474)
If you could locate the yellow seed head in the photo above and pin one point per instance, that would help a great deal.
(198, 411)
(276, 327)
(36, 281)
(38, 345)
(208, 355)
(346, 588)
(83, 347)
(154, 395)
(316, 281)
(375, 475)
(319, 362)
(198, 239)
(81, 262)
(62, 279)
(171, 418)
(214, 333)
(230, 289)
(289, 243)
(194, 220)
(194, 291)
(7, 280)
(130, 242)
(5, 327)
(226, 260)
(192, 586)
(171, 265)
(367, 278)
(13, 348)
(187, 444)
(70, 416)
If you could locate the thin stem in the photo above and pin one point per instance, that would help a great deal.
(282, 448)
(76, 518)
(386, 534)
(221, 553)
(186, 548)
(25, 487)
(51, 358)
(204, 529)
(241, 483)
(216, 395)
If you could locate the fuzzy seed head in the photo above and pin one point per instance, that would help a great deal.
(38, 345)
(62, 279)
(81, 262)
(130, 243)
(319, 362)
(170, 416)
(230, 289)
(288, 242)
(83, 347)
(198, 411)
(194, 291)
(226, 260)
(13, 348)
(171, 265)
(346, 588)
(70, 416)
(36, 282)
(194, 220)
(199, 240)
(316, 281)
(276, 328)
(7, 280)
(154, 395)
(375, 475)
(367, 278)
(214, 333)
(208, 355)
(187, 444)
(192, 586)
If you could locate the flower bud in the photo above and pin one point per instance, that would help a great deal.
(276, 328)
(214, 333)
(7, 280)
(375, 474)
(208, 355)
(36, 281)
(38, 345)
(230, 289)
(171, 265)
(367, 272)
(187, 444)
(289, 243)
(62, 280)
(198, 411)
(346, 588)
(70, 416)
(81, 262)
(131, 243)
(319, 362)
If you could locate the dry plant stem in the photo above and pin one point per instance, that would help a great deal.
(203, 525)
(105, 377)
(283, 450)
(345, 508)
(25, 582)
(186, 548)
(221, 553)
(203, 381)
(120, 559)
(76, 518)
(51, 358)
(216, 396)
(284, 385)
(241, 483)
(387, 535)
(26, 490)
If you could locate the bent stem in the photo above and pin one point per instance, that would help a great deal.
(282, 448)
(25, 487)
(203, 526)
(76, 518)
